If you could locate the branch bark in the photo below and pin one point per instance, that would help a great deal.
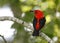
(26, 25)
(3, 38)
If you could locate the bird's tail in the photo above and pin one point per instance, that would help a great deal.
(35, 33)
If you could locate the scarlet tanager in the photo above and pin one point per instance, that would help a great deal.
(38, 21)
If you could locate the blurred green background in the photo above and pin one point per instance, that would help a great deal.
(51, 9)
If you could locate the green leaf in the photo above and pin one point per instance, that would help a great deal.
(28, 17)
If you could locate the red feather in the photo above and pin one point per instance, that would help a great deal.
(38, 14)
(37, 25)
(38, 22)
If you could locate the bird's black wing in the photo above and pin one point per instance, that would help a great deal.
(42, 22)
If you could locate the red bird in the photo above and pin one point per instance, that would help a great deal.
(38, 22)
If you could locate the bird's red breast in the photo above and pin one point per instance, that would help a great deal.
(38, 14)
(37, 25)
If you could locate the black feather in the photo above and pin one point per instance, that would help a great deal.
(41, 22)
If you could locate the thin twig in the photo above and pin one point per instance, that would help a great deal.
(3, 38)
(26, 25)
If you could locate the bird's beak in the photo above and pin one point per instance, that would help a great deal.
(31, 11)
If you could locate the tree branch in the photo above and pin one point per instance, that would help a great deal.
(26, 25)
(3, 38)
(46, 37)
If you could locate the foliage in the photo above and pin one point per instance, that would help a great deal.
(49, 7)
